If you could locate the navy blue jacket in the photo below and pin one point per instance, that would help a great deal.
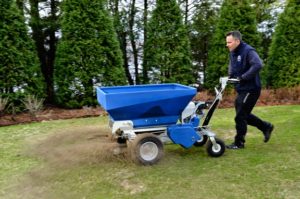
(245, 64)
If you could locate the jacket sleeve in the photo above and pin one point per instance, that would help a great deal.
(255, 64)
(230, 69)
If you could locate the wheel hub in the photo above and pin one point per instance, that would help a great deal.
(148, 151)
(216, 148)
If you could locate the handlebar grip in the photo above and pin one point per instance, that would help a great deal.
(233, 80)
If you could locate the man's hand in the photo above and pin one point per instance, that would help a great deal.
(239, 78)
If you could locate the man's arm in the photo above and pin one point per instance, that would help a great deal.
(255, 65)
(230, 69)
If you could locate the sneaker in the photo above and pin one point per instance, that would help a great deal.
(235, 146)
(268, 133)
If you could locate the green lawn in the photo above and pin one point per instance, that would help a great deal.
(69, 159)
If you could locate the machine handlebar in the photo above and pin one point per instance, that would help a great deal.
(233, 80)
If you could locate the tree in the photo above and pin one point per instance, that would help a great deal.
(145, 23)
(88, 53)
(283, 66)
(44, 28)
(132, 36)
(203, 27)
(167, 49)
(234, 15)
(19, 71)
(267, 12)
(266, 20)
(120, 17)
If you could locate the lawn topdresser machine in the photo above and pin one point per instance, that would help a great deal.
(147, 116)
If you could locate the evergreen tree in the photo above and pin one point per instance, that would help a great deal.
(167, 49)
(44, 16)
(234, 15)
(266, 20)
(283, 66)
(266, 16)
(120, 16)
(88, 54)
(203, 27)
(19, 71)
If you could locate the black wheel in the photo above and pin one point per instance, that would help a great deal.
(121, 140)
(216, 151)
(146, 149)
(202, 141)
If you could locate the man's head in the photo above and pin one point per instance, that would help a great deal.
(233, 40)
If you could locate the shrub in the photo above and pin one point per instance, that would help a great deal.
(33, 104)
(3, 104)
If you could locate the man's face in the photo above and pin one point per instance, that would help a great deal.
(232, 43)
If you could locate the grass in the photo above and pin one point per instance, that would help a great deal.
(61, 159)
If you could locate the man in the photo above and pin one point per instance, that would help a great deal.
(245, 65)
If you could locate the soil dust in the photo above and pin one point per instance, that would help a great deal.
(81, 145)
(62, 150)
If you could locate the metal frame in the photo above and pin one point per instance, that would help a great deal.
(125, 129)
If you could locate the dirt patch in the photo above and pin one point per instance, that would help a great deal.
(133, 188)
(64, 150)
(84, 145)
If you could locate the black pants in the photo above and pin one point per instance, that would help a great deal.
(244, 104)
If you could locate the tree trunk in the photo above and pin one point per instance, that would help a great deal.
(145, 69)
(133, 43)
(122, 37)
(43, 36)
(51, 52)
(186, 12)
(123, 43)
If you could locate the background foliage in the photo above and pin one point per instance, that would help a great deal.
(88, 53)
(234, 15)
(284, 59)
(167, 50)
(19, 71)
(81, 44)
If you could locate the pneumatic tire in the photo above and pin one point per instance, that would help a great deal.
(216, 151)
(146, 149)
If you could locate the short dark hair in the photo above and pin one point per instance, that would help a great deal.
(235, 34)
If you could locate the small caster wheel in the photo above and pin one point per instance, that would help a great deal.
(217, 150)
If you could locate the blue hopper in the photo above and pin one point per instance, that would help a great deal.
(146, 105)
